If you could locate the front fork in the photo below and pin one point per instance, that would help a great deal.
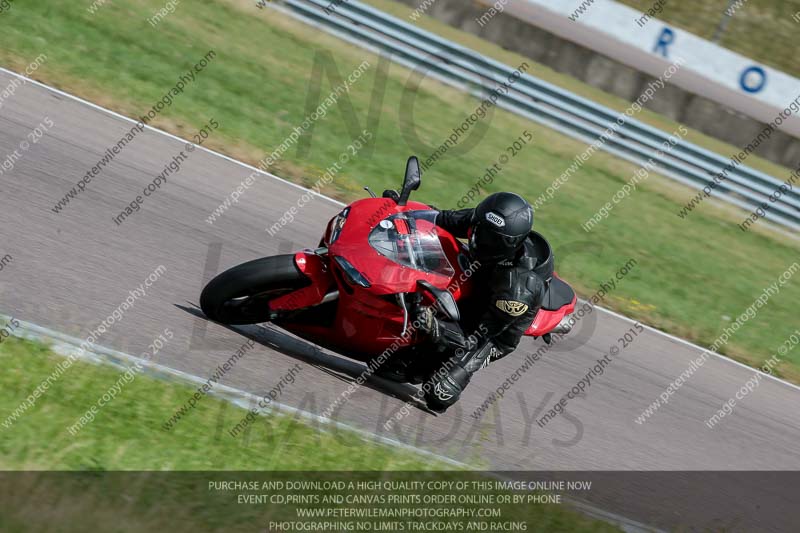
(409, 302)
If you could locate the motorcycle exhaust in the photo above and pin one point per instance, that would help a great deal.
(563, 327)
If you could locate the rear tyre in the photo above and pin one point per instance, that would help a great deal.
(241, 295)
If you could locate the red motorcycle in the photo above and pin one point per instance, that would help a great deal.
(354, 293)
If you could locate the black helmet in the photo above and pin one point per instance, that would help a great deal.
(500, 225)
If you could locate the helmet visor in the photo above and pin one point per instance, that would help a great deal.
(488, 243)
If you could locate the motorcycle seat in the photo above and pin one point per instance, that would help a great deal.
(557, 294)
(539, 248)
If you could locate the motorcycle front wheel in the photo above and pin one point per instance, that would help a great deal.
(241, 294)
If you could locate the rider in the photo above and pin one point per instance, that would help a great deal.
(507, 292)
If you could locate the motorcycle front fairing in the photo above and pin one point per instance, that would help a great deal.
(375, 250)
(372, 251)
(393, 246)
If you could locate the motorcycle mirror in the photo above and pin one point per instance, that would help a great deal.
(411, 181)
(443, 300)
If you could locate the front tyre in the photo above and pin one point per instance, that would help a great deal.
(241, 294)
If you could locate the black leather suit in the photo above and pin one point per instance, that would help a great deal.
(505, 300)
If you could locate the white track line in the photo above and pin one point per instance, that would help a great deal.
(66, 345)
(701, 349)
(337, 202)
(162, 132)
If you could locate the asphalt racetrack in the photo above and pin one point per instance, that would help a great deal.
(71, 269)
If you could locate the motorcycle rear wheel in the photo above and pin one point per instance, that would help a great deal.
(241, 294)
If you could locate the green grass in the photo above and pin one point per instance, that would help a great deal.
(570, 83)
(127, 435)
(691, 274)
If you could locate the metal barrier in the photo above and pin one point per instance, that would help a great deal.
(550, 105)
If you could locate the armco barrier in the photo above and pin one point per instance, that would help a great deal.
(550, 105)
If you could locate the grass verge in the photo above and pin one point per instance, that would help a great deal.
(694, 276)
(127, 435)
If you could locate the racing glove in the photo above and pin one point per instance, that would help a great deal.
(443, 333)
(424, 319)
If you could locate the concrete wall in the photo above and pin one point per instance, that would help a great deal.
(614, 77)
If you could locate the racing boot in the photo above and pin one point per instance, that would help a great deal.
(446, 385)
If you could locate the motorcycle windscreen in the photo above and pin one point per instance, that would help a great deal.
(410, 239)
